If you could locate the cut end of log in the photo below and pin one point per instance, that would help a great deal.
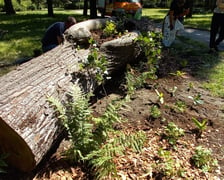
(18, 152)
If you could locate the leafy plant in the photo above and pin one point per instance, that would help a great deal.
(96, 64)
(94, 140)
(102, 159)
(160, 96)
(134, 79)
(178, 74)
(150, 43)
(180, 106)
(202, 158)
(196, 99)
(167, 166)
(155, 111)
(200, 125)
(110, 28)
(173, 133)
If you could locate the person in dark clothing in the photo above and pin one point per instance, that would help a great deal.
(54, 34)
(217, 26)
(178, 9)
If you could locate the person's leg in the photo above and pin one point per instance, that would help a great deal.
(221, 32)
(48, 48)
(214, 30)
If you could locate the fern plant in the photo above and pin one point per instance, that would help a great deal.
(76, 118)
(94, 140)
(102, 160)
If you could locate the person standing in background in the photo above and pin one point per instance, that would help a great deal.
(217, 26)
(173, 22)
(178, 9)
(54, 34)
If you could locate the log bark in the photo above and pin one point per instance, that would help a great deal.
(28, 127)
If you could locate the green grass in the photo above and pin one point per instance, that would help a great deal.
(201, 21)
(208, 68)
(25, 30)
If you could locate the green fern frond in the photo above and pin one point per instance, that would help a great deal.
(58, 107)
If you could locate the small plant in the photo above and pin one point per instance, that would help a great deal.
(200, 125)
(150, 43)
(96, 65)
(134, 80)
(160, 96)
(202, 158)
(155, 111)
(110, 29)
(173, 91)
(190, 86)
(180, 106)
(167, 166)
(178, 74)
(196, 99)
(173, 133)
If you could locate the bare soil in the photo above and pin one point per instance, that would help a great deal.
(140, 165)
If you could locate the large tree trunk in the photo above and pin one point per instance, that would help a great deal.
(28, 127)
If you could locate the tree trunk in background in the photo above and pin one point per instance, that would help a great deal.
(9, 7)
(85, 9)
(50, 8)
(93, 10)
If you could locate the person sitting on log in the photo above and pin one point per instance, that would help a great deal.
(54, 34)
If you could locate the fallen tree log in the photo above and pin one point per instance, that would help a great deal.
(28, 128)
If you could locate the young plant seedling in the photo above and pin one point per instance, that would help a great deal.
(200, 125)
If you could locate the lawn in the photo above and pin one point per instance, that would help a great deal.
(201, 21)
(25, 30)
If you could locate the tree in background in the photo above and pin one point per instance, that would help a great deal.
(93, 10)
(9, 7)
(85, 8)
(50, 8)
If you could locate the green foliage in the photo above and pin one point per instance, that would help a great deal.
(173, 133)
(155, 111)
(3, 163)
(202, 158)
(76, 118)
(102, 160)
(134, 80)
(104, 124)
(200, 125)
(96, 64)
(178, 74)
(160, 96)
(151, 46)
(196, 99)
(180, 106)
(110, 29)
(167, 166)
(94, 140)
